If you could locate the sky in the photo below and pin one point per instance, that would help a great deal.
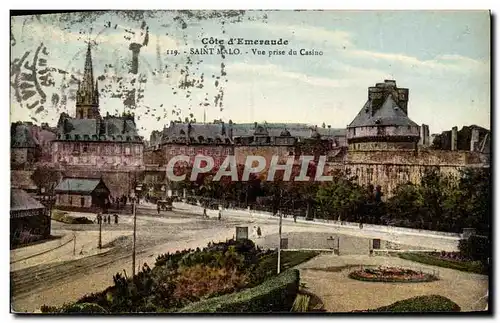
(443, 57)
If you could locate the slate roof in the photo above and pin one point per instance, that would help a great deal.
(80, 185)
(21, 137)
(110, 129)
(178, 131)
(20, 201)
(213, 131)
(300, 130)
(389, 114)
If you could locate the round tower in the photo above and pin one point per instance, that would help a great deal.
(383, 123)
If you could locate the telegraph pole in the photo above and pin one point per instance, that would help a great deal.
(99, 244)
(133, 247)
(74, 243)
(279, 232)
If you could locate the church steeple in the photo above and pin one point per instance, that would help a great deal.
(87, 97)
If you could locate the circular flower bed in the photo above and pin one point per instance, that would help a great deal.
(391, 275)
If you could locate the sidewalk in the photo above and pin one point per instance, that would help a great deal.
(44, 253)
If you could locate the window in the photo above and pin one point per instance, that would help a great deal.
(118, 149)
(76, 147)
(85, 147)
(137, 149)
(127, 150)
(82, 201)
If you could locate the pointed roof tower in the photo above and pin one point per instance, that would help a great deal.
(87, 98)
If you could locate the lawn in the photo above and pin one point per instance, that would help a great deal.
(467, 266)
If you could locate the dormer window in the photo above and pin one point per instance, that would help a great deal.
(182, 132)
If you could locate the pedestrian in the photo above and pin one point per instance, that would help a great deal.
(205, 213)
(295, 218)
(259, 232)
(109, 219)
(99, 218)
(116, 218)
(220, 215)
(158, 207)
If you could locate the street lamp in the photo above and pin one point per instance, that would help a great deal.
(279, 231)
(133, 194)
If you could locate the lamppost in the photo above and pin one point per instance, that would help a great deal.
(99, 243)
(135, 228)
(279, 230)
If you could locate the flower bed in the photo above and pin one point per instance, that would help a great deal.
(391, 275)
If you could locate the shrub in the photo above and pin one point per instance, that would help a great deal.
(64, 217)
(274, 295)
(74, 308)
(426, 303)
(204, 281)
(475, 248)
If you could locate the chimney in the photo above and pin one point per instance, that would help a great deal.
(98, 126)
(230, 129)
(474, 140)
(427, 141)
(454, 137)
(424, 135)
(421, 140)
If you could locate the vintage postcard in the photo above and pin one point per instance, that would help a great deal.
(249, 161)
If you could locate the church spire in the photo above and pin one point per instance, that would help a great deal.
(87, 101)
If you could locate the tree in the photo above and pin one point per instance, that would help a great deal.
(341, 199)
(46, 177)
(407, 206)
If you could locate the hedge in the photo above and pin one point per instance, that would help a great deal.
(274, 295)
(426, 303)
(74, 308)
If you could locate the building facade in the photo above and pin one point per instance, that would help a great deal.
(82, 193)
(90, 145)
(29, 219)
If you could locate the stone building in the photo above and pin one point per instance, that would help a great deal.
(29, 219)
(82, 193)
(24, 150)
(383, 144)
(90, 145)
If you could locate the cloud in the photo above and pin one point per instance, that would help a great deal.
(308, 34)
(275, 73)
(439, 64)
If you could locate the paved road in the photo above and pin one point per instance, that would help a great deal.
(44, 280)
